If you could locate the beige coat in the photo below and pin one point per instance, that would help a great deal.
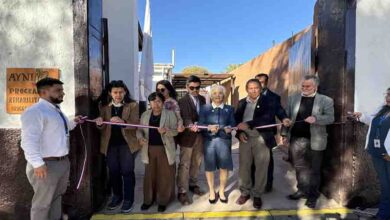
(168, 120)
(130, 114)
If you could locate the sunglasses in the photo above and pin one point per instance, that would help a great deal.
(194, 87)
(161, 90)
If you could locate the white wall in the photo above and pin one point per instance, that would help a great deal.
(123, 42)
(372, 53)
(36, 34)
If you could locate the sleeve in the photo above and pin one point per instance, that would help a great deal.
(140, 131)
(71, 124)
(327, 116)
(285, 130)
(32, 129)
(177, 113)
(280, 112)
(172, 124)
(133, 116)
(101, 114)
(185, 114)
(232, 120)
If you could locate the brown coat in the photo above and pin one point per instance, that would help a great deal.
(130, 114)
(189, 116)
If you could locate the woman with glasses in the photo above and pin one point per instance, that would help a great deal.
(217, 141)
(166, 89)
(378, 146)
(119, 144)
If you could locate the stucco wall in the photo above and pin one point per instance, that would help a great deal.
(372, 53)
(273, 62)
(36, 34)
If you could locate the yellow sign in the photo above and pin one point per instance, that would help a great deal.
(21, 88)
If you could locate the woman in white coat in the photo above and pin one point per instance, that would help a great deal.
(378, 146)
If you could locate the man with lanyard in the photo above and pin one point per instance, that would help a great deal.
(45, 141)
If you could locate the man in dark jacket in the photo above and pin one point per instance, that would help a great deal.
(277, 111)
(191, 143)
(253, 111)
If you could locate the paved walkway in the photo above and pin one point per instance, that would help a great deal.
(275, 203)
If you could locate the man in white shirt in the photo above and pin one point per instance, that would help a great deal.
(45, 141)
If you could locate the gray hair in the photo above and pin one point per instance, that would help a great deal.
(216, 88)
(315, 79)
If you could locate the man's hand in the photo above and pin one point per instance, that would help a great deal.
(213, 128)
(162, 130)
(228, 129)
(311, 120)
(242, 126)
(243, 138)
(180, 128)
(99, 121)
(285, 141)
(116, 119)
(143, 141)
(41, 172)
(194, 127)
(356, 115)
(386, 157)
(78, 119)
(286, 122)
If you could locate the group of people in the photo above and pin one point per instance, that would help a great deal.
(201, 132)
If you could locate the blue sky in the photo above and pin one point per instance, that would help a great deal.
(215, 33)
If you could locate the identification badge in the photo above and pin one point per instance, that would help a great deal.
(377, 143)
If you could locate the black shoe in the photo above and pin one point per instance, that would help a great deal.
(127, 207)
(215, 200)
(268, 188)
(145, 207)
(196, 190)
(257, 203)
(161, 208)
(115, 203)
(224, 200)
(296, 196)
(311, 203)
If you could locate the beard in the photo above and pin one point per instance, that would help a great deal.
(56, 100)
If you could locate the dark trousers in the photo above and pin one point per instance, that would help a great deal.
(307, 164)
(382, 168)
(120, 162)
(271, 143)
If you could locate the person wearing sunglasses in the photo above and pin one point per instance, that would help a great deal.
(378, 146)
(190, 142)
(166, 89)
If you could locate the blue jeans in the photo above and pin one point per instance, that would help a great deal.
(382, 168)
(120, 162)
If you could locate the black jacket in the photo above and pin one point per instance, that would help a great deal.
(267, 108)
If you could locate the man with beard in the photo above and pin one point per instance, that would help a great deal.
(45, 141)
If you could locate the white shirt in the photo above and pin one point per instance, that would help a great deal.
(43, 133)
(196, 102)
(219, 106)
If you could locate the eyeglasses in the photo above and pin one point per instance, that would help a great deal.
(161, 90)
(194, 87)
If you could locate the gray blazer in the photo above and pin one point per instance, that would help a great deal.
(323, 110)
(168, 120)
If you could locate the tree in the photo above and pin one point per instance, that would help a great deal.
(232, 67)
(194, 70)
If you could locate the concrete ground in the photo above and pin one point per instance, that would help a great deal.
(275, 203)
